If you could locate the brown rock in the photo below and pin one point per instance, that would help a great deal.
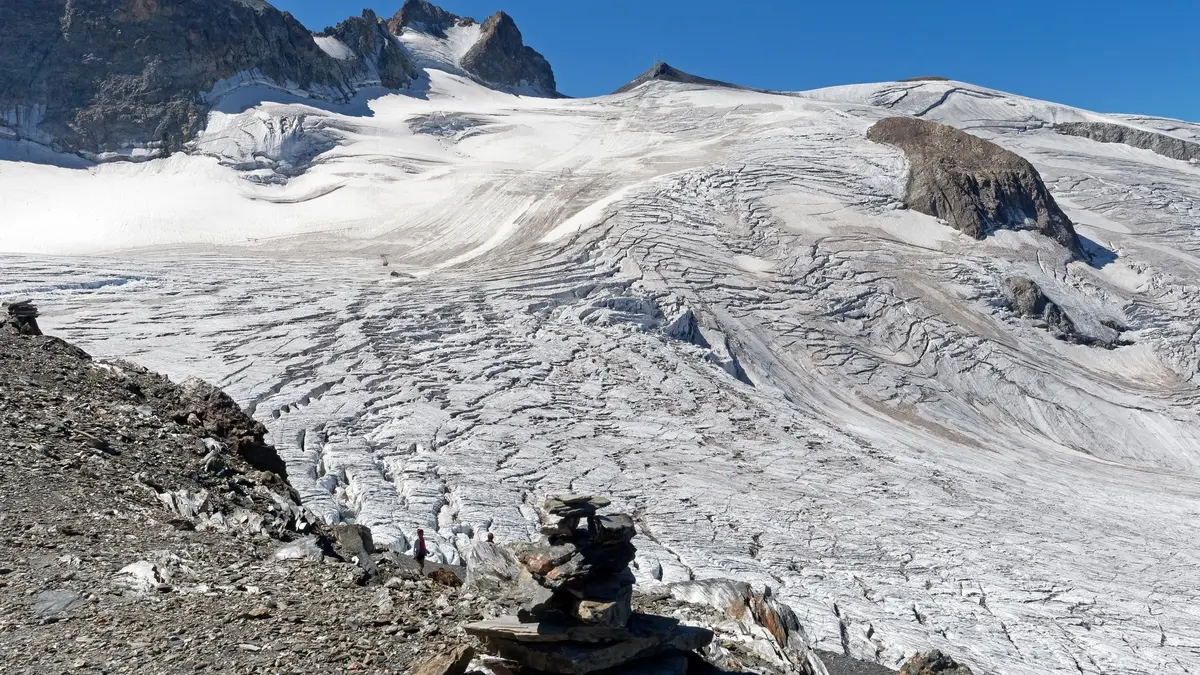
(933, 663)
(445, 577)
(450, 662)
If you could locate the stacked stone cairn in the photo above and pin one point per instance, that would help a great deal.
(24, 317)
(577, 613)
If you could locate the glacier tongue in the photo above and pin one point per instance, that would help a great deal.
(708, 304)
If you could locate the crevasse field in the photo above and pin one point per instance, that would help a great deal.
(708, 303)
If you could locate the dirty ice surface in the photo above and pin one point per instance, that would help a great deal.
(706, 303)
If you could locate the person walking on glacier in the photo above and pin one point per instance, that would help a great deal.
(419, 550)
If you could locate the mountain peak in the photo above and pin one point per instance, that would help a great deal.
(501, 57)
(425, 16)
(664, 72)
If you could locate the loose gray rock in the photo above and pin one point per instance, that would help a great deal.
(56, 603)
(974, 185)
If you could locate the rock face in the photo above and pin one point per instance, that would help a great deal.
(1167, 146)
(426, 17)
(369, 41)
(933, 663)
(662, 72)
(500, 57)
(136, 78)
(975, 185)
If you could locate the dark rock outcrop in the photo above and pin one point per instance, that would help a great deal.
(427, 17)
(368, 39)
(1162, 144)
(501, 58)
(1028, 300)
(975, 185)
(102, 77)
(661, 72)
(933, 663)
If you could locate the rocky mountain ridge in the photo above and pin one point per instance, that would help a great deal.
(136, 79)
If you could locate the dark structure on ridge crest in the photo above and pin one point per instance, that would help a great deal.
(663, 72)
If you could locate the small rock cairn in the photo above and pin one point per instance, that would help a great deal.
(576, 589)
(24, 317)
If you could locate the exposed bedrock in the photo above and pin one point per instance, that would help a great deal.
(500, 57)
(973, 184)
(426, 17)
(104, 77)
(1104, 132)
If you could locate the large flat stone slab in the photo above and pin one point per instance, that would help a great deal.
(651, 636)
(511, 628)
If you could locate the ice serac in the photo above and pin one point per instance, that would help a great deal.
(500, 57)
(136, 78)
(662, 72)
(973, 184)
(425, 16)
(1159, 143)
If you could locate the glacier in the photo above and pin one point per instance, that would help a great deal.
(706, 302)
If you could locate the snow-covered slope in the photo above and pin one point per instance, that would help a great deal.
(706, 302)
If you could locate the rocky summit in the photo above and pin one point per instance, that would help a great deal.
(501, 57)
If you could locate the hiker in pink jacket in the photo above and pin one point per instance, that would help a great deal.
(419, 550)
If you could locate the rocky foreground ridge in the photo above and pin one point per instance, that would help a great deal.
(136, 79)
(149, 528)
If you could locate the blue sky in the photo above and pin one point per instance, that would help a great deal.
(1104, 55)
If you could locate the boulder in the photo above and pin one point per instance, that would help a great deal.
(933, 663)
(450, 662)
(446, 577)
(491, 568)
(1028, 299)
(973, 184)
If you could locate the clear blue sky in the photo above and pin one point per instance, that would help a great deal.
(1104, 55)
